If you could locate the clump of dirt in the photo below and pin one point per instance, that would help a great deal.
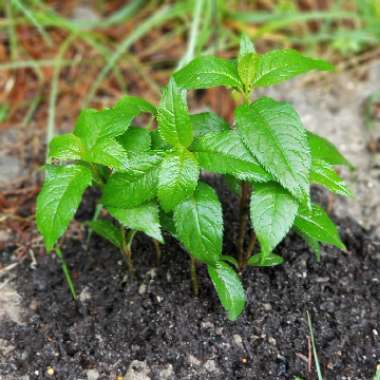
(149, 325)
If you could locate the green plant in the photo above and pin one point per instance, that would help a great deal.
(150, 178)
(314, 347)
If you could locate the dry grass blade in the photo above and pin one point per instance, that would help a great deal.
(158, 18)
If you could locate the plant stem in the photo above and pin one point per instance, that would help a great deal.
(194, 277)
(244, 196)
(251, 246)
(127, 247)
(96, 175)
(66, 272)
(98, 209)
(330, 202)
(158, 251)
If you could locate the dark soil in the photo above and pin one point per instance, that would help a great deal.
(152, 316)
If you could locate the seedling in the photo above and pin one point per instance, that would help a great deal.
(150, 179)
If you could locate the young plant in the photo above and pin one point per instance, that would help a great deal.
(102, 142)
(150, 179)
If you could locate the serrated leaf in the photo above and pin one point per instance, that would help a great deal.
(207, 72)
(206, 122)
(324, 174)
(66, 147)
(144, 218)
(273, 211)
(107, 230)
(108, 152)
(280, 65)
(178, 178)
(59, 199)
(246, 46)
(135, 139)
(273, 132)
(312, 243)
(173, 118)
(93, 125)
(323, 149)
(199, 224)
(229, 288)
(225, 153)
(136, 185)
(247, 66)
(316, 224)
(265, 260)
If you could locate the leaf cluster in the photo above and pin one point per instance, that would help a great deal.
(150, 178)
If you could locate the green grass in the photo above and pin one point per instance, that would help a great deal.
(314, 347)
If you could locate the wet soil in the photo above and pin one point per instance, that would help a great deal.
(149, 326)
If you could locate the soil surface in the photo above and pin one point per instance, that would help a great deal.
(149, 326)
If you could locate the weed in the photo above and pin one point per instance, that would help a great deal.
(150, 179)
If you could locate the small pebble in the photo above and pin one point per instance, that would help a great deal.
(238, 340)
(50, 371)
(142, 289)
(267, 306)
(272, 341)
(194, 361)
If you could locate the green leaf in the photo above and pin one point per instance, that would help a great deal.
(246, 46)
(59, 199)
(229, 288)
(316, 224)
(144, 218)
(231, 260)
(131, 106)
(135, 139)
(108, 152)
(206, 122)
(107, 230)
(265, 260)
(323, 149)
(93, 125)
(312, 243)
(178, 178)
(247, 66)
(273, 211)
(280, 65)
(273, 132)
(167, 222)
(157, 142)
(225, 153)
(324, 174)
(66, 147)
(173, 118)
(207, 72)
(199, 224)
(136, 185)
